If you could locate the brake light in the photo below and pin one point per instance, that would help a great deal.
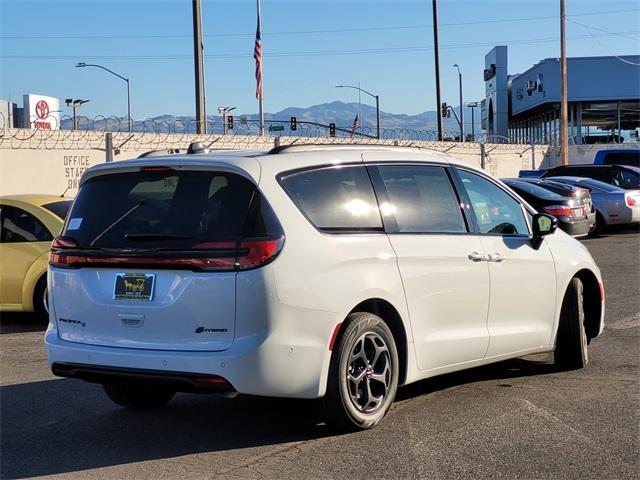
(631, 199)
(559, 210)
(259, 251)
(157, 169)
(64, 242)
(224, 256)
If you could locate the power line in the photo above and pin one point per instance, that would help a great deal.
(316, 52)
(304, 32)
(595, 37)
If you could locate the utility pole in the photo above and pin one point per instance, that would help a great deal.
(198, 47)
(564, 123)
(472, 106)
(437, 60)
(461, 105)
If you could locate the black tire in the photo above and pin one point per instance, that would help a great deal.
(138, 396)
(571, 341)
(601, 225)
(365, 347)
(40, 306)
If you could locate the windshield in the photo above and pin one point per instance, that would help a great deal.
(60, 208)
(165, 210)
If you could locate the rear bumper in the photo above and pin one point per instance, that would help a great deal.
(625, 215)
(577, 228)
(179, 381)
(291, 361)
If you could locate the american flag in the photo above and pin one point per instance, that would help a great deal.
(257, 54)
(355, 125)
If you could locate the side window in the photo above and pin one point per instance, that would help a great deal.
(336, 198)
(422, 199)
(20, 226)
(495, 210)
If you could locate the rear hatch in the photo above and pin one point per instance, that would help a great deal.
(148, 258)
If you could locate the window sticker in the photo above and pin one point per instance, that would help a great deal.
(74, 223)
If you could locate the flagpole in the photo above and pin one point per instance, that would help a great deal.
(359, 108)
(260, 100)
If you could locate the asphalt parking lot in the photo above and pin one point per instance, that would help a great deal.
(517, 419)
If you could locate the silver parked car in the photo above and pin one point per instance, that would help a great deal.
(614, 205)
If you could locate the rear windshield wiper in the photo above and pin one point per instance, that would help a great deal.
(117, 221)
(141, 237)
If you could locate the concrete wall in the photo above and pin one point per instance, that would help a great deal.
(33, 161)
(579, 154)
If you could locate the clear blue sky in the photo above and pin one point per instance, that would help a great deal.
(150, 42)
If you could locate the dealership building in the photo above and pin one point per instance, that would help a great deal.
(603, 96)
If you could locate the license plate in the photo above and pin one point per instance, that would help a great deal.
(134, 286)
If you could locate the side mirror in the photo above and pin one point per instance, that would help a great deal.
(543, 224)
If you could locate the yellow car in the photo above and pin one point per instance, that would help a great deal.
(28, 224)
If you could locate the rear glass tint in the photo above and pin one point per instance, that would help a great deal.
(170, 210)
(60, 208)
(535, 191)
(335, 199)
(623, 158)
(422, 199)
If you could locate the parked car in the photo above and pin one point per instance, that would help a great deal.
(572, 213)
(327, 272)
(627, 156)
(581, 195)
(614, 205)
(623, 176)
(28, 224)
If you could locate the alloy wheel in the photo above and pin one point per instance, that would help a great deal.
(369, 372)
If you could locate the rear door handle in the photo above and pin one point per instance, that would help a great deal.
(477, 257)
(496, 257)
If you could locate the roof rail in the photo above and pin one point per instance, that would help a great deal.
(314, 147)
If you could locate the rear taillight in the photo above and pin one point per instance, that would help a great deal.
(632, 199)
(64, 242)
(559, 210)
(212, 256)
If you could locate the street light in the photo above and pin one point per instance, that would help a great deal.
(377, 104)
(77, 103)
(461, 114)
(83, 64)
(223, 111)
(472, 105)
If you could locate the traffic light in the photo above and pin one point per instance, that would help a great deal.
(332, 129)
(293, 124)
(444, 110)
(230, 122)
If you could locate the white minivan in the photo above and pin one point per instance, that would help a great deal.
(328, 272)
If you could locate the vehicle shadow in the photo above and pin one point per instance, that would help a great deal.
(536, 365)
(62, 426)
(19, 322)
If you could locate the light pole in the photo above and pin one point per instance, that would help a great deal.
(82, 65)
(472, 105)
(461, 114)
(74, 104)
(223, 111)
(377, 105)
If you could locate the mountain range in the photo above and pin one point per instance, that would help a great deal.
(340, 113)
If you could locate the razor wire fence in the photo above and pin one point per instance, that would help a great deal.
(174, 131)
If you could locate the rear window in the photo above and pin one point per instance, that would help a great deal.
(335, 199)
(598, 185)
(535, 191)
(60, 208)
(168, 210)
(622, 158)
